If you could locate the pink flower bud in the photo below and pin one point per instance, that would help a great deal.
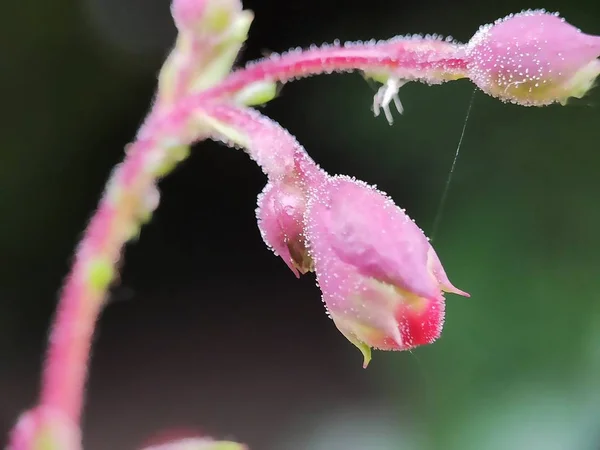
(280, 215)
(533, 58)
(45, 428)
(382, 281)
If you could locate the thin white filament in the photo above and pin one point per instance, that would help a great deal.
(440, 209)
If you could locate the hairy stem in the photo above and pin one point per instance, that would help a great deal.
(129, 199)
(270, 145)
(429, 60)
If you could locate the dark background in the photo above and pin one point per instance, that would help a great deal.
(209, 331)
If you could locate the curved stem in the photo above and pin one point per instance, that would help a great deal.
(429, 60)
(129, 198)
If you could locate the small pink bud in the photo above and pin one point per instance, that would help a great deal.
(533, 58)
(280, 215)
(382, 282)
(44, 428)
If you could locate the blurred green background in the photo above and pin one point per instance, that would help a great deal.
(210, 332)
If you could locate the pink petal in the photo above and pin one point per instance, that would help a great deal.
(438, 271)
(280, 216)
(354, 223)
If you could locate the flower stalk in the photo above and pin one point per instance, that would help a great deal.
(382, 290)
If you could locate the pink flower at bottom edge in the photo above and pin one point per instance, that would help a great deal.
(45, 428)
(382, 282)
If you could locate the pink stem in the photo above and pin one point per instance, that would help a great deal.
(65, 369)
(431, 60)
(129, 194)
(270, 145)
(428, 60)
(130, 186)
